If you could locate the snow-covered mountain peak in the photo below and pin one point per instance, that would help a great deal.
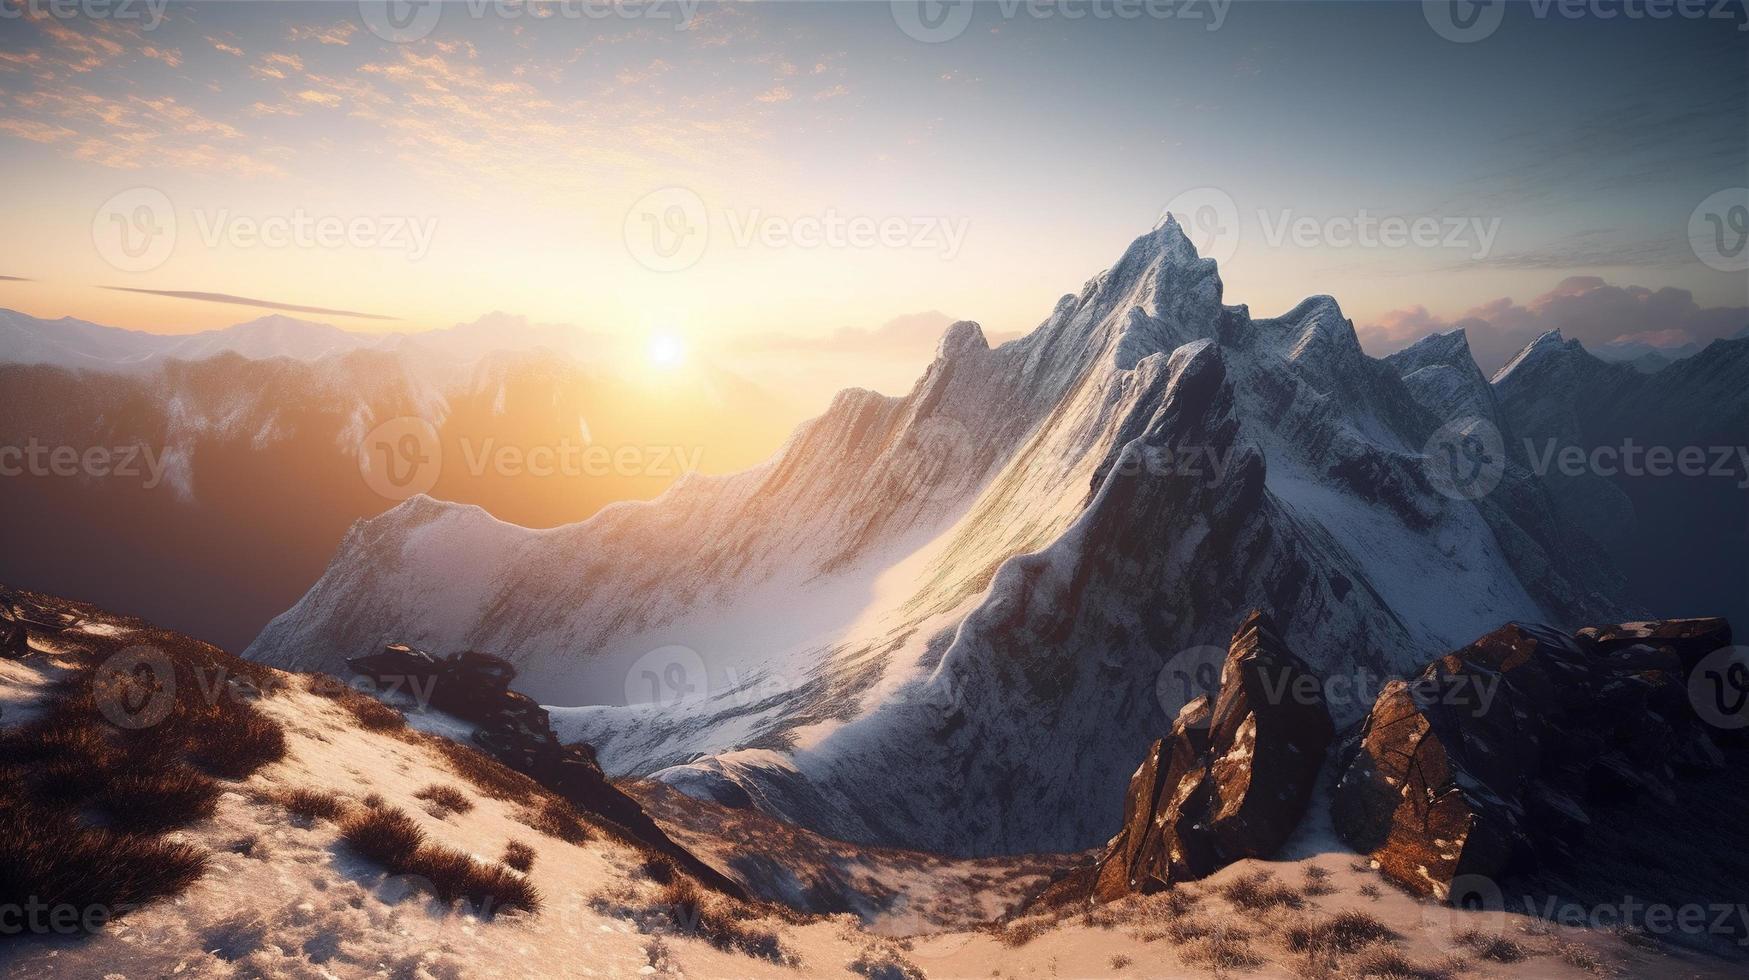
(1536, 355)
(964, 336)
(1450, 349)
(1158, 296)
(1441, 373)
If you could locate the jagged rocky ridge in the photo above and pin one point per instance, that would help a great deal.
(953, 620)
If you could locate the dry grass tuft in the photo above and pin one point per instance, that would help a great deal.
(721, 921)
(885, 963)
(492, 778)
(47, 858)
(371, 714)
(310, 804)
(1259, 891)
(558, 820)
(385, 835)
(1229, 948)
(1389, 964)
(1492, 947)
(1023, 931)
(519, 856)
(391, 838)
(1348, 931)
(1579, 956)
(155, 802)
(1318, 881)
(445, 800)
(1183, 931)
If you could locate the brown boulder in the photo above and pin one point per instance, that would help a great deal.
(1493, 756)
(1689, 639)
(1230, 780)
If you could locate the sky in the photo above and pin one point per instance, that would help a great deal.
(828, 184)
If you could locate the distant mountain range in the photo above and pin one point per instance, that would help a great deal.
(955, 619)
(79, 344)
(233, 461)
(1648, 358)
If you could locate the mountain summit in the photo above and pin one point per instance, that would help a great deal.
(955, 619)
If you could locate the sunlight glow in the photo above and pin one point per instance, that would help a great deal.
(666, 350)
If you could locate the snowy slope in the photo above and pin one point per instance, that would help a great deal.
(284, 897)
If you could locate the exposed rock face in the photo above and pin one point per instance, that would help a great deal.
(1490, 756)
(516, 731)
(1231, 780)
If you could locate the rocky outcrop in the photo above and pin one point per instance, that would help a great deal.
(1495, 756)
(515, 730)
(1231, 780)
(14, 641)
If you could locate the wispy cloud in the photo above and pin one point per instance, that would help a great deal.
(266, 304)
(333, 34)
(1584, 308)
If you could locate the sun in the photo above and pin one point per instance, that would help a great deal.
(666, 351)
